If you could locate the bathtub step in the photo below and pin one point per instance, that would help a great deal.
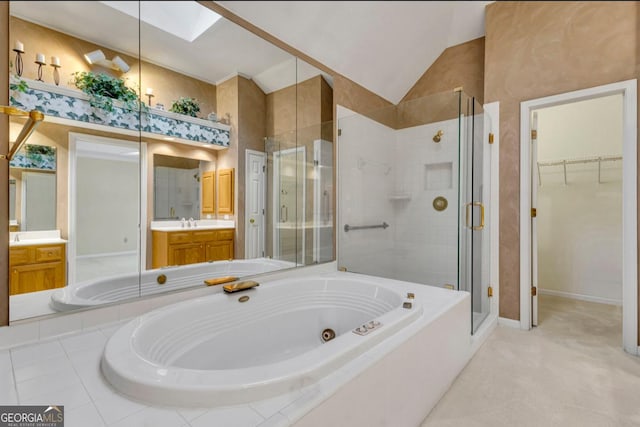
(220, 280)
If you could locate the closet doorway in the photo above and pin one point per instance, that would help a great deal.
(579, 230)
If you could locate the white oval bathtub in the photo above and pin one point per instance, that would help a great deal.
(118, 288)
(216, 350)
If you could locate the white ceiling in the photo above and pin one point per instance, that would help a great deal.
(384, 46)
(224, 50)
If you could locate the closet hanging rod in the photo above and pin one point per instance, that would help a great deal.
(34, 118)
(582, 160)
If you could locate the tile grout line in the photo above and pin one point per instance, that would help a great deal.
(183, 417)
(73, 366)
(13, 375)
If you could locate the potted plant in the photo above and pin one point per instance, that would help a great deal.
(103, 89)
(16, 84)
(186, 106)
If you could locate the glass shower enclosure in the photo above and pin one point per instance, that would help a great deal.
(300, 195)
(413, 188)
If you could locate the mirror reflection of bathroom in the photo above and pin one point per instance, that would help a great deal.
(127, 174)
(32, 189)
(104, 209)
(176, 187)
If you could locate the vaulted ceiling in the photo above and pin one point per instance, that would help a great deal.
(384, 46)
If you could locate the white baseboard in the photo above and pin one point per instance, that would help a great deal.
(515, 324)
(107, 254)
(580, 297)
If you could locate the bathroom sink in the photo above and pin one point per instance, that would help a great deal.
(26, 238)
(201, 224)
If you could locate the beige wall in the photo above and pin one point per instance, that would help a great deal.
(167, 85)
(458, 66)
(356, 98)
(536, 49)
(252, 126)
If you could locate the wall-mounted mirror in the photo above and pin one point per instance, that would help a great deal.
(177, 187)
(32, 189)
(189, 118)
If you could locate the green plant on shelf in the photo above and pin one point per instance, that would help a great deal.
(103, 89)
(186, 106)
(16, 84)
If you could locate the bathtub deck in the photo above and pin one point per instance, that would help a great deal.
(70, 368)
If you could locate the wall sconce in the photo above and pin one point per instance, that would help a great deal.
(97, 57)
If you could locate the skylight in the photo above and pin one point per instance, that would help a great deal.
(186, 20)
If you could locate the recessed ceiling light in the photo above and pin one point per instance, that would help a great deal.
(186, 20)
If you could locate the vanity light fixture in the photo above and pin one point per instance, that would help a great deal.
(33, 120)
(119, 62)
(97, 57)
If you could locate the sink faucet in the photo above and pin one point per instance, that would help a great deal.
(192, 223)
(16, 238)
(182, 222)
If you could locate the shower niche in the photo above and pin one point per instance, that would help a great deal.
(438, 176)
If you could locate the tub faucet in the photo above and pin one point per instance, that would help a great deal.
(240, 286)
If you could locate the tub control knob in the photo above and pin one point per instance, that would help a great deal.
(362, 329)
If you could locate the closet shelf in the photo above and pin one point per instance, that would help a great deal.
(575, 161)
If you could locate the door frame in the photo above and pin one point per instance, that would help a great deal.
(264, 200)
(628, 90)
(74, 137)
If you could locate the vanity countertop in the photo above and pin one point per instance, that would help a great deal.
(201, 224)
(28, 238)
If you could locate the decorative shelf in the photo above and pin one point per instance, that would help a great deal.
(71, 107)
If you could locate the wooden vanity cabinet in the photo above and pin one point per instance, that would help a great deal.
(208, 192)
(191, 246)
(37, 268)
(225, 191)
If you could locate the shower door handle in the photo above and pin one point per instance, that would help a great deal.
(469, 207)
(285, 217)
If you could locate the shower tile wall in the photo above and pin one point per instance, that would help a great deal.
(426, 240)
(385, 175)
(365, 181)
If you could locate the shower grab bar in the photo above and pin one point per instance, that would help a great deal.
(348, 227)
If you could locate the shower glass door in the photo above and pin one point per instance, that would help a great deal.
(286, 193)
(474, 212)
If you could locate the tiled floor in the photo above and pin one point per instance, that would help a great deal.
(569, 371)
(66, 371)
